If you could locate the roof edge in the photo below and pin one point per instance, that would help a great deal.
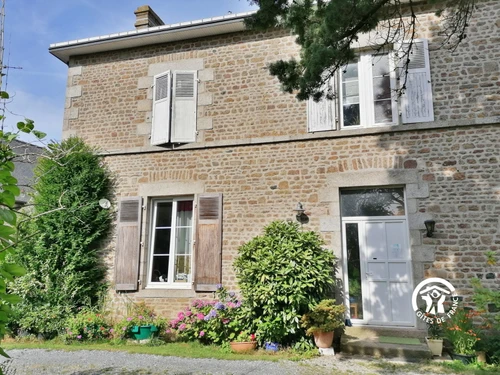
(152, 35)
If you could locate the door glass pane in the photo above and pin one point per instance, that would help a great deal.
(373, 202)
(354, 271)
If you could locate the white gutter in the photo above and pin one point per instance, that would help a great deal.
(153, 35)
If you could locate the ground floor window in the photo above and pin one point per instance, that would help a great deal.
(171, 245)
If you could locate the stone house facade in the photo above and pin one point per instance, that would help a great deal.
(207, 150)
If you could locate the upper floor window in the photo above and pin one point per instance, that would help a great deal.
(367, 92)
(174, 107)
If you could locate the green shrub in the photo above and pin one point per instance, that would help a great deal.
(88, 324)
(282, 275)
(326, 316)
(60, 246)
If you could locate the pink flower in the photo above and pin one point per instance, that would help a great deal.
(189, 313)
(202, 333)
(111, 330)
(141, 317)
(79, 337)
(124, 328)
(182, 327)
(225, 321)
(180, 316)
(200, 316)
(70, 333)
(168, 331)
(129, 319)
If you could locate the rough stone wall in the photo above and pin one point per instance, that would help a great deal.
(453, 164)
(109, 96)
(460, 167)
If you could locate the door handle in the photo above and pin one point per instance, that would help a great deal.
(369, 274)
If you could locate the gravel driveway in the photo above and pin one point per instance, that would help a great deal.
(85, 362)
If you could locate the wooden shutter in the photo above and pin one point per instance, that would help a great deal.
(185, 90)
(160, 129)
(208, 263)
(128, 244)
(322, 115)
(416, 101)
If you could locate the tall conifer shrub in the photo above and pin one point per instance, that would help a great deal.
(60, 247)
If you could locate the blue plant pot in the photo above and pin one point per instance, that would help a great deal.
(271, 346)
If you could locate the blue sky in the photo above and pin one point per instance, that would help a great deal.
(38, 89)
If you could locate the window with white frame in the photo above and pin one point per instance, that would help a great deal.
(367, 91)
(174, 107)
(171, 245)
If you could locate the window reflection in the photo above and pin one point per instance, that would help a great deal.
(354, 271)
(373, 202)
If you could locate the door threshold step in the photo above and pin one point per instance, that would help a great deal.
(373, 347)
(371, 332)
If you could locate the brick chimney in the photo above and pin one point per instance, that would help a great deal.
(146, 17)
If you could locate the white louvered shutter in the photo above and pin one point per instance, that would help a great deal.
(322, 115)
(416, 101)
(185, 88)
(160, 129)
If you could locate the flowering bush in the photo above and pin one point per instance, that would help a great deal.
(87, 325)
(461, 332)
(210, 321)
(140, 315)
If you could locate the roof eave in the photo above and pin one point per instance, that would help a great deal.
(153, 35)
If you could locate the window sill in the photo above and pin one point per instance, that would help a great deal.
(169, 286)
(166, 293)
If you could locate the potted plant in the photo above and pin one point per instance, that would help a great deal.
(322, 320)
(244, 342)
(462, 334)
(434, 337)
(140, 324)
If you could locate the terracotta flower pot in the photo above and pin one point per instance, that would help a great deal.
(323, 339)
(243, 346)
(435, 346)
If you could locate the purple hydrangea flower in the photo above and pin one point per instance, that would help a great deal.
(232, 294)
(219, 286)
(219, 306)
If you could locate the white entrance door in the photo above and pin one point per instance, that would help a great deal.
(387, 282)
(377, 257)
